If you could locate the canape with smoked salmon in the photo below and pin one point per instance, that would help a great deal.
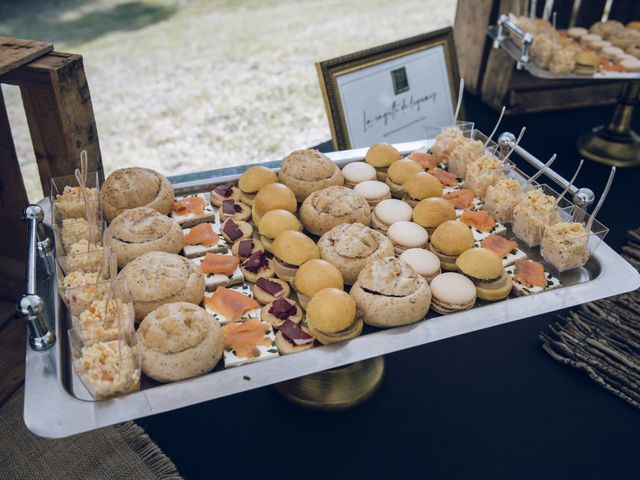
(202, 239)
(192, 209)
(530, 277)
(248, 342)
(219, 270)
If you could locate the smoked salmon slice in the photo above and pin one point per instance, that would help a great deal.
(530, 273)
(245, 338)
(187, 205)
(460, 198)
(445, 178)
(229, 303)
(499, 245)
(216, 263)
(479, 220)
(202, 234)
(426, 160)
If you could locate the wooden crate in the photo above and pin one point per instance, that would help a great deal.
(492, 73)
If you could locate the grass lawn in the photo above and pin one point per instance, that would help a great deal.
(183, 85)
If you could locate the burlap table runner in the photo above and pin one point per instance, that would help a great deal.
(603, 338)
(121, 451)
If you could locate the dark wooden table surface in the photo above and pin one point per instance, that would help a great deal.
(490, 404)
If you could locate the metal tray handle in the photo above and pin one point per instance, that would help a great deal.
(526, 37)
(31, 305)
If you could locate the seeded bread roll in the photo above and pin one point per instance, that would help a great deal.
(390, 293)
(307, 171)
(350, 246)
(156, 278)
(325, 209)
(180, 341)
(140, 230)
(136, 187)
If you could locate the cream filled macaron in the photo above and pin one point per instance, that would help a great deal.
(373, 191)
(389, 212)
(423, 261)
(577, 32)
(452, 292)
(404, 235)
(356, 172)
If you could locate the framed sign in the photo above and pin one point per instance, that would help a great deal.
(391, 92)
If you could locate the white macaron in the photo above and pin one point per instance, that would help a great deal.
(423, 261)
(388, 212)
(406, 235)
(356, 172)
(373, 191)
(452, 292)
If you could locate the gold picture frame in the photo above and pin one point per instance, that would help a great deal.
(329, 71)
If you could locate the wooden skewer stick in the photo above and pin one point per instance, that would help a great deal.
(460, 94)
(493, 132)
(534, 177)
(573, 179)
(602, 198)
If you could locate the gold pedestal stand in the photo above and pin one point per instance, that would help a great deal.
(615, 144)
(336, 389)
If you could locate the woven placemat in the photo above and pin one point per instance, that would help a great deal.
(121, 451)
(603, 337)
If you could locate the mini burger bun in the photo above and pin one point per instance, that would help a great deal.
(256, 177)
(480, 263)
(400, 171)
(422, 185)
(381, 155)
(274, 222)
(271, 197)
(315, 275)
(294, 247)
(330, 312)
(433, 211)
(452, 238)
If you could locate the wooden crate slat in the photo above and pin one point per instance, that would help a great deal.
(61, 120)
(15, 52)
(13, 195)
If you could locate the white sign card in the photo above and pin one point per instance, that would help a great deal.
(395, 100)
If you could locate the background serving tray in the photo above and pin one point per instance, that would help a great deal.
(56, 404)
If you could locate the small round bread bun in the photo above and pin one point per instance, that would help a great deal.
(224, 192)
(273, 223)
(350, 246)
(267, 316)
(332, 316)
(607, 28)
(307, 171)
(255, 246)
(265, 297)
(388, 212)
(449, 240)
(631, 65)
(399, 172)
(357, 172)
(136, 187)
(612, 53)
(291, 249)
(423, 261)
(486, 271)
(381, 156)
(389, 293)
(140, 230)
(313, 276)
(252, 180)
(419, 186)
(324, 209)
(577, 32)
(271, 197)
(452, 292)
(404, 235)
(245, 228)
(433, 211)
(156, 278)
(586, 63)
(180, 340)
(373, 191)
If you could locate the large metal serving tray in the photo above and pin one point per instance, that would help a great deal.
(57, 404)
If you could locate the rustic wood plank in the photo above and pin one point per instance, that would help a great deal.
(12, 355)
(39, 71)
(61, 119)
(470, 35)
(571, 96)
(13, 195)
(15, 52)
(496, 78)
